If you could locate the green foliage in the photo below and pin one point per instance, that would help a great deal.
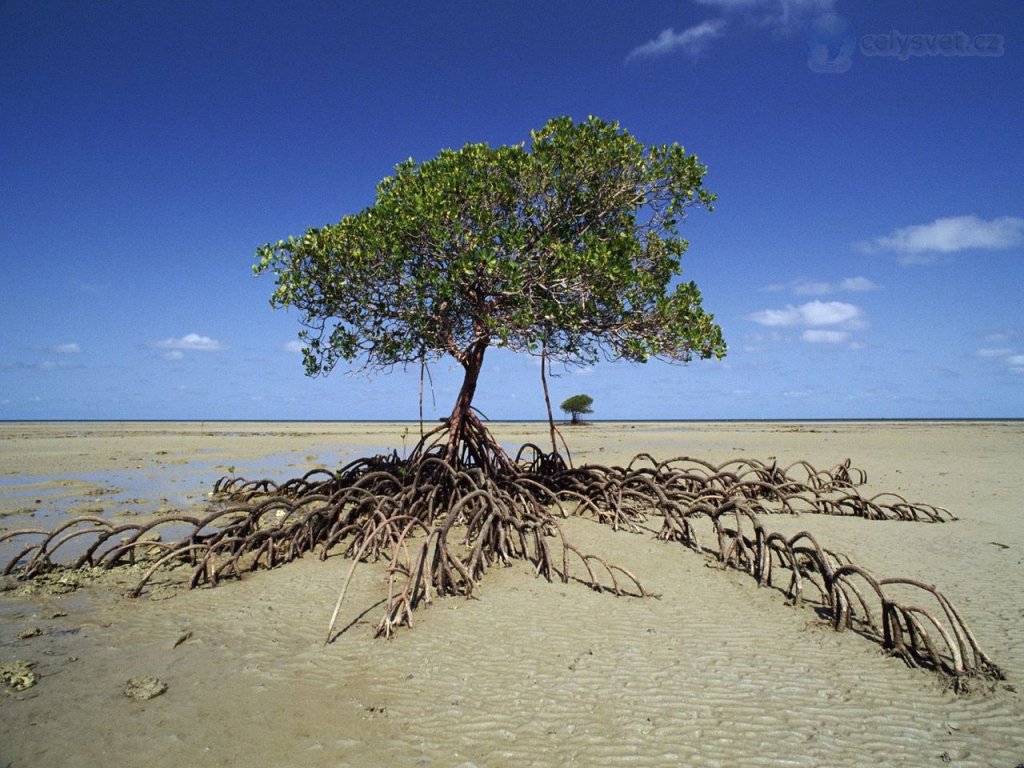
(576, 405)
(568, 245)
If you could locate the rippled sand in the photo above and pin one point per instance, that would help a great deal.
(715, 673)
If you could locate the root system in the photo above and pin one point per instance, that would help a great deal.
(438, 524)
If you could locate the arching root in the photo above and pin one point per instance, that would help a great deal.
(438, 524)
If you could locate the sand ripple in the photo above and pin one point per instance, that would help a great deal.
(716, 673)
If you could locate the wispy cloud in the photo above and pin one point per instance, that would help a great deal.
(1004, 335)
(817, 336)
(857, 284)
(998, 352)
(294, 346)
(782, 16)
(921, 243)
(691, 40)
(42, 365)
(822, 288)
(1014, 361)
(813, 288)
(71, 348)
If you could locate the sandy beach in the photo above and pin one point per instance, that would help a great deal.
(717, 672)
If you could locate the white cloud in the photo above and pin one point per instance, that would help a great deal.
(825, 337)
(70, 348)
(190, 342)
(813, 313)
(824, 322)
(857, 284)
(294, 346)
(174, 354)
(691, 40)
(1015, 360)
(777, 317)
(828, 312)
(920, 243)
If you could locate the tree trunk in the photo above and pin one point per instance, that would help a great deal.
(461, 414)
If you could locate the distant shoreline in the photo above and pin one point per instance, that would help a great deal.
(836, 420)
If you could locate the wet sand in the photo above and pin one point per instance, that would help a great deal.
(715, 673)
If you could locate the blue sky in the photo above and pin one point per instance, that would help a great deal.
(864, 258)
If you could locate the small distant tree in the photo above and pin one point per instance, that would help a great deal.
(576, 405)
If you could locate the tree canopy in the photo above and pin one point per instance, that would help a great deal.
(576, 405)
(565, 245)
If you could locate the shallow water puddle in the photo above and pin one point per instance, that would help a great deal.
(43, 502)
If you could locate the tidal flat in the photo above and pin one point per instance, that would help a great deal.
(717, 671)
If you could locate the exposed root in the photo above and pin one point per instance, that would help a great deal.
(441, 517)
(888, 610)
